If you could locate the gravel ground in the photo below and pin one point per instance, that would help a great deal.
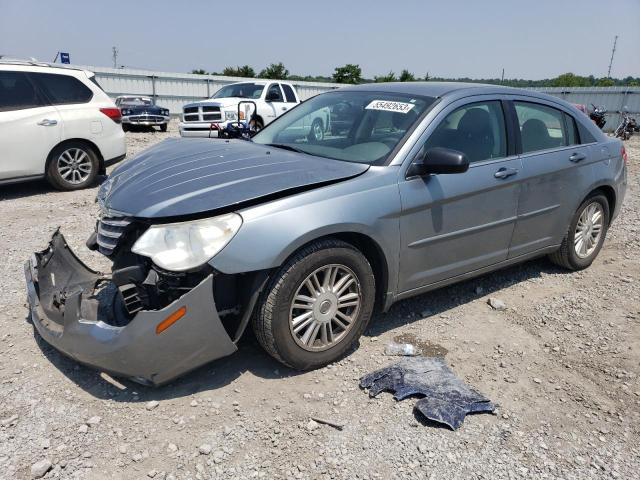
(561, 361)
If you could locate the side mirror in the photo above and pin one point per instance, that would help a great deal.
(438, 160)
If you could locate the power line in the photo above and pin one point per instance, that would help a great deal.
(613, 51)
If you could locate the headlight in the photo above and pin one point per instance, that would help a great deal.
(126, 111)
(230, 115)
(183, 246)
(165, 113)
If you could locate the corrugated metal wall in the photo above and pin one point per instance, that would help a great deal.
(613, 99)
(173, 90)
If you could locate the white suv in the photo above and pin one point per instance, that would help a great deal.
(56, 123)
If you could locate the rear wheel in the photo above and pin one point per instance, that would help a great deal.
(72, 166)
(586, 234)
(316, 306)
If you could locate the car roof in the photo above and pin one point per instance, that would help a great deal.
(428, 89)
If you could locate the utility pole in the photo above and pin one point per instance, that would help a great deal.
(115, 56)
(502, 79)
(615, 40)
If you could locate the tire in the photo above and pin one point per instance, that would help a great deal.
(567, 255)
(125, 127)
(163, 127)
(72, 166)
(316, 134)
(272, 320)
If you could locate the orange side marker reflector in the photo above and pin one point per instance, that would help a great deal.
(171, 319)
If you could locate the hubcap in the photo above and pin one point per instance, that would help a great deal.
(317, 131)
(588, 230)
(324, 307)
(74, 165)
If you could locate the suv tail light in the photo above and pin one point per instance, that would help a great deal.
(623, 152)
(113, 113)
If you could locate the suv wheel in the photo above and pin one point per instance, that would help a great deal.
(72, 166)
(586, 234)
(316, 306)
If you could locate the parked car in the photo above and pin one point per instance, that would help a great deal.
(434, 183)
(271, 99)
(55, 123)
(141, 112)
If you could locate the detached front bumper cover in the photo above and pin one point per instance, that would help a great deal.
(72, 308)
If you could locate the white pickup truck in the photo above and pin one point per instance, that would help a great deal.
(207, 117)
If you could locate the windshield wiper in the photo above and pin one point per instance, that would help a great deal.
(285, 147)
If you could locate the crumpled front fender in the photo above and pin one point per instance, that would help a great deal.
(72, 307)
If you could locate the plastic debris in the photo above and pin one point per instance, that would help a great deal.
(447, 399)
(401, 349)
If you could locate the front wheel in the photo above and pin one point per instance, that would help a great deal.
(316, 306)
(586, 234)
(163, 127)
(317, 131)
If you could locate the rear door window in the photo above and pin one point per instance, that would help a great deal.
(18, 93)
(541, 127)
(572, 130)
(288, 93)
(62, 89)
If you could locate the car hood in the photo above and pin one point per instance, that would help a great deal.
(189, 176)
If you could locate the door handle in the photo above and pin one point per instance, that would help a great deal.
(505, 172)
(47, 123)
(577, 157)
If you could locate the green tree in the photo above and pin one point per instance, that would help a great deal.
(605, 82)
(199, 71)
(570, 80)
(350, 73)
(427, 77)
(276, 71)
(407, 76)
(244, 71)
(389, 77)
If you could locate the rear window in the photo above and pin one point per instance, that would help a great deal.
(95, 82)
(62, 89)
(17, 92)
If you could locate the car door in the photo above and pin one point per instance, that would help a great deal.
(72, 99)
(456, 223)
(275, 101)
(555, 174)
(29, 127)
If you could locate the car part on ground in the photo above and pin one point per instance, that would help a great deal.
(447, 399)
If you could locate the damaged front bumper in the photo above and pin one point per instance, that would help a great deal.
(75, 310)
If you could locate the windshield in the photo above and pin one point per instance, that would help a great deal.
(135, 101)
(242, 90)
(355, 126)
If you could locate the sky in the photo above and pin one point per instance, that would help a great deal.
(532, 39)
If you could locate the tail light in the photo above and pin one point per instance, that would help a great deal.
(623, 152)
(113, 113)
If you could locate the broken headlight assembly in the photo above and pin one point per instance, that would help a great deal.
(178, 247)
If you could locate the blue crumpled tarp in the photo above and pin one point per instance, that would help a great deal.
(447, 399)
